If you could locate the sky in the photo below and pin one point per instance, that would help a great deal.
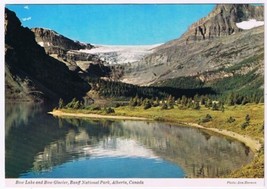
(113, 24)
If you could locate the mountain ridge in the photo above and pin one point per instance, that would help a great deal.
(209, 59)
(212, 50)
(32, 75)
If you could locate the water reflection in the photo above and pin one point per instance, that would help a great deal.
(43, 144)
(199, 154)
(19, 114)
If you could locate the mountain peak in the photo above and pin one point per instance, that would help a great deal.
(48, 37)
(222, 21)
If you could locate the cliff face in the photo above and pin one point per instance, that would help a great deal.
(68, 52)
(32, 75)
(212, 49)
(49, 38)
(222, 21)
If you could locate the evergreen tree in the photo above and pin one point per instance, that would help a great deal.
(60, 103)
(214, 106)
(139, 101)
(196, 98)
(202, 100)
(189, 103)
(221, 106)
(147, 104)
(184, 100)
(72, 103)
(76, 105)
(164, 106)
(261, 100)
(170, 101)
(209, 103)
(244, 101)
(231, 99)
(156, 103)
(196, 105)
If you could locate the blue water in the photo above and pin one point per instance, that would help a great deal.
(110, 167)
(38, 145)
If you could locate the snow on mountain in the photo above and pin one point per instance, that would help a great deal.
(120, 54)
(252, 23)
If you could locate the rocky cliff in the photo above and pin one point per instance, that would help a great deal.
(32, 75)
(222, 21)
(49, 38)
(212, 49)
(69, 52)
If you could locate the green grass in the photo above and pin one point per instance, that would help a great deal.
(219, 120)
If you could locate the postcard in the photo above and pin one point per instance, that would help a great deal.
(133, 94)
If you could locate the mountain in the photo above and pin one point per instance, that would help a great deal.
(222, 21)
(72, 53)
(88, 59)
(32, 75)
(215, 51)
(222, 52)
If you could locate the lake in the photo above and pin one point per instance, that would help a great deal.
(39, 145)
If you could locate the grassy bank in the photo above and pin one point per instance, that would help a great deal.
(218, 121)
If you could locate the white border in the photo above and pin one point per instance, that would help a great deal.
(149, 183)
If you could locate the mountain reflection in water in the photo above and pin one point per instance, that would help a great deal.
(41, 146)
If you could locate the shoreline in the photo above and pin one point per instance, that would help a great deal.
(97, 116)
(253, 144)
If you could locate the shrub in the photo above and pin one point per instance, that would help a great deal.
(231, 119)
(207, 118)
(116, 105)
(147, 106)
(109, 110)
(88, 107)
(247, 118)
(214, 106)
(96, 108)
(261, 129)
(244, 125)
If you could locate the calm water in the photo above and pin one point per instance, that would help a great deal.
(41, 146)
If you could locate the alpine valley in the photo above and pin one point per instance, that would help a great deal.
(189, 107)
(218, 53)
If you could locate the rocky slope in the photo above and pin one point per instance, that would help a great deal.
(70, 52)
(212, 49)
(32, 75)
(222, 21)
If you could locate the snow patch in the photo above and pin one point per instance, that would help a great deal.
(252, 23)
(44, 44)
(41, 43)
(119, 54)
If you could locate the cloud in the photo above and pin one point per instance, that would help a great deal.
(26, 19)
(26, 7)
